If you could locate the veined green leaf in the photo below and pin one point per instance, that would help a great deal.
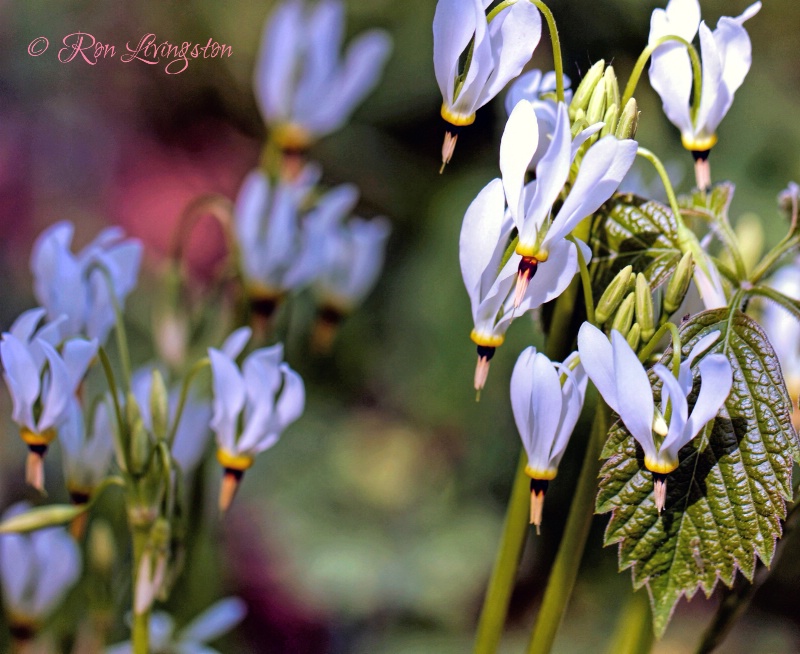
(726, 500)
(630, 230)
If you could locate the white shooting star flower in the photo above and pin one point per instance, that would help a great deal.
(252, 405)
(602, 168)
(497, 53)
(37, 570)
(485, 238)
(42, 381)
(546, 411)
(726, 57)
(304, 87)
(622, 380)
(84, 286)
(87, 450)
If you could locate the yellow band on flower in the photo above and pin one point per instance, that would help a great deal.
(544, 475)
(532, 252)
(234, 461)
(258, 291)
(290, 136)
(459, 120)
(32, 438)
(699, 144)
(660, 465)
(487, 340)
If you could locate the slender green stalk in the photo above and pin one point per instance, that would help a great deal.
(647, 350)
(662, 173)
(565, 569)
(558, 63)
(140, 636)
(638, 69)
(187, 382)
(498, 594)
(515, 527)
(634, 632)
(112, 386)
(121, 332)
(586, 283)
(773, 256)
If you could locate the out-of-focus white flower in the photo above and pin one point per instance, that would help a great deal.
(42, 381)
(36, 571)
(709, 281)
(269, 235)
(622, 381)
(252, 405)
(303, 86)
(79, 286)
(498, 51)
(546, 412)
(485, 238)
(212, 623)
(86, 452)
(192, 433)
(726, 57)
(602, 168)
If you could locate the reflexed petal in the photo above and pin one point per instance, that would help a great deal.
(597, 358)
(517, 145)
(676, 436)
(59, 392)
(292, 399)
(685, 373)
(521, 394)
(709, 283)
(525, 87)
(17, 561)
(229, 398)
(546, 401)
(22, 378)
(215, 621)
(716, 379)
(636, 408)
(235, 343)
(453, 27)
(573, 392)
(480, 66)
(78, 355)
(715, 99)
(25, 325)
(60, 565)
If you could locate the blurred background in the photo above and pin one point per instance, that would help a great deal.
(371, 527)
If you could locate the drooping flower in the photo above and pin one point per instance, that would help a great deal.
(622, 380)
(726, 58)
(42, 382)
(252, 405)
(215, 621)
(84, 286)
(269, 235)
(37, 570)
(602, 168)
(87, 449)
(304, 87)
(498, 51)
(485, 237)
(546, 411)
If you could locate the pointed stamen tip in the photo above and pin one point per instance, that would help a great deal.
(448, 147)
(660, 490)
(228, 488)
(34, 468)
(538, 490)
(525, 272)
(481, 373)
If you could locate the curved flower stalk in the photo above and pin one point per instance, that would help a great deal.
(42, 382)
(86, 452)
(539, 90)
(192, 433)
(546, 411)
(622, 380)
(215, 621)
(79, 286)
(602, 168)
(485, 236)
(252, 405)
(726, 55)
(497, 53)
(304, 87)
(269, 235)
(37, 570)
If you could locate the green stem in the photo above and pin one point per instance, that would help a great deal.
(732, 244)
(586, 282)
(647, 350)
(187, 382)
(570, 551)
(140, 636)
(634, 632)
(662, 173)
(121, 332)
(773, 256)
(498, 594)
(558, 63)
(112, 387)
(515, 527)
(697, 71)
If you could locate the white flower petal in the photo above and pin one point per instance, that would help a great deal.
(635, 396)
(597, 358)
(517, 145)
(453, 27)
(716, 379)
(229, 398)
(215, 621)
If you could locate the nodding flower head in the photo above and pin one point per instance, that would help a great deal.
(305, 88)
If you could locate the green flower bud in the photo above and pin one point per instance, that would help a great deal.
(613, 295)
(597, 105)
(102, 548)
(629, 121)
(610, 120)
(41, 517)
(579, 123)
(159, 406)
(644, 307)
(611, 86)
(580, 100)
(624, 317)
(140, 447)
(634, 336)
(679, 284)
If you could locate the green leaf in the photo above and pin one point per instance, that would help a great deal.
(630, 230)
(41, 517)
(713, 205)
(726, 500)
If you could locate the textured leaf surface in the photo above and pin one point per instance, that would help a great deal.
(633, 231)
(726, 500)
